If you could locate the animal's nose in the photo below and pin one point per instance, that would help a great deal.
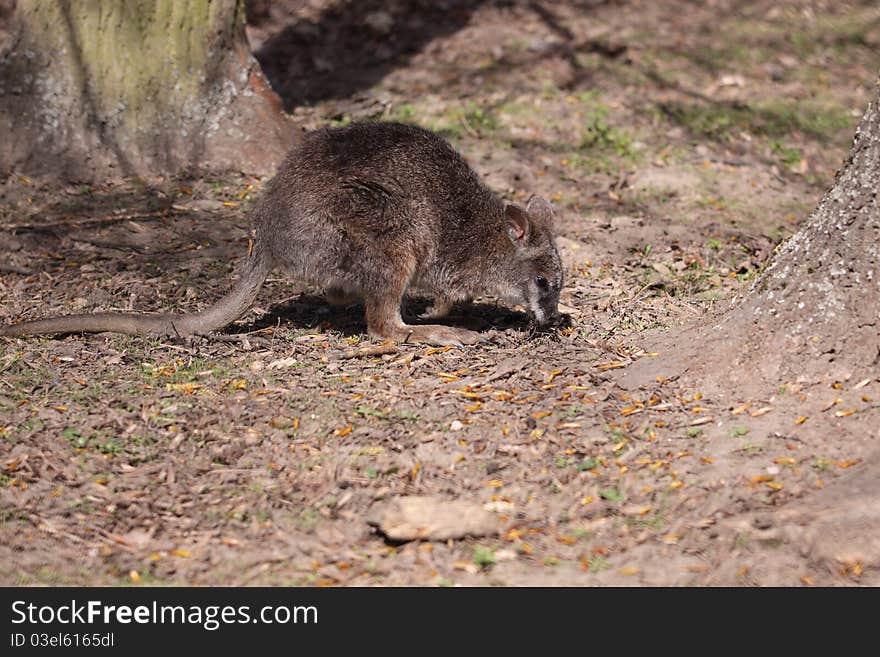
(551, 318)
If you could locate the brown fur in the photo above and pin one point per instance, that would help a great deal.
(374, 210)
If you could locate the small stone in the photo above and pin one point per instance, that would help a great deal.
(456, 425)
(505, 555)
(762, 522)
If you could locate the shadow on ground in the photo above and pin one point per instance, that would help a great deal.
(351, 45)
(311, 311)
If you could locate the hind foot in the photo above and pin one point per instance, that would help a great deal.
(434, 334)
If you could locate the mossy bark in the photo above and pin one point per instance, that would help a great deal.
(97, 88)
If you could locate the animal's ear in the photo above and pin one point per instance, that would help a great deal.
(540, 209)
(517, 224)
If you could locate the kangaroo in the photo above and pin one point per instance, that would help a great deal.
(374, 210)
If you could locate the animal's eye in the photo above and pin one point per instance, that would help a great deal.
(542, 283)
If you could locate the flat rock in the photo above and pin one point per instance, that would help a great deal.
(431, 518)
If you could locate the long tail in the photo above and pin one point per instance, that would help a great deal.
(223, 312)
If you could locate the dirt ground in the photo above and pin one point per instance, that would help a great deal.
(680, 142)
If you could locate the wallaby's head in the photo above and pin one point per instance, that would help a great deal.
(533, 276)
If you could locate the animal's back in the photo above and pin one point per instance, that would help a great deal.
(349, 201)
(413, 159)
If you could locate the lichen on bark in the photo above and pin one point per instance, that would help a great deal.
(99, 88)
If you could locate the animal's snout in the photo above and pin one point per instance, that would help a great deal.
(549, 318)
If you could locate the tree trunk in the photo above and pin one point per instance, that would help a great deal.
(816, 308)
(815, 311)
(99, 88)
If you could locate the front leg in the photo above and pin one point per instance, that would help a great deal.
(337, 295)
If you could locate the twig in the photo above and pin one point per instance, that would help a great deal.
(104, 219)
(15, 269)
(239, 337)
(468, 129)
(375, 350)
(118, 247)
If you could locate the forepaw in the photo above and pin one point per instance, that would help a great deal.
(439, 309)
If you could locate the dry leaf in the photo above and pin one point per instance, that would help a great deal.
(611, 366)
(832, 403)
